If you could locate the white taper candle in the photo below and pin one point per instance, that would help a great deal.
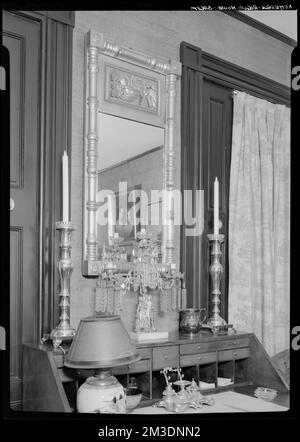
(216, 207)
(65, 180)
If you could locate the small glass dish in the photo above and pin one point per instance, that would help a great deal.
(267, 394)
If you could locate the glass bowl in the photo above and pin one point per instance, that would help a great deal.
(267, 394)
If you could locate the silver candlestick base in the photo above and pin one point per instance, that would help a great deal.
(216, 271)
(64, 332)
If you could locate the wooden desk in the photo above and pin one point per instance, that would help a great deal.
(222, 402)
(49, 386)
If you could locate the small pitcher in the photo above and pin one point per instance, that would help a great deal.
(191, 319)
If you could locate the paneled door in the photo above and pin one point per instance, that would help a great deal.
(210, 158)
(21, 37)
(207, 112)
(40, 52)
(217, 117)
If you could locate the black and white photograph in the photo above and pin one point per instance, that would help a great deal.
(147, 160)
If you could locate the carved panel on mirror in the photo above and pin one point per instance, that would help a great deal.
(129, 137)
(124, 87)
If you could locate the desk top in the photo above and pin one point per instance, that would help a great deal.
(174, 338)
(225, 402)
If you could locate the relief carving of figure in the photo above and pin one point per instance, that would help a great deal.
(132, 89)
(150, 96)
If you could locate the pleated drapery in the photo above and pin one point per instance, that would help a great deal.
(259, 221)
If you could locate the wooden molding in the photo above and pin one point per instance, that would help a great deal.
(262, 27)
(63, 17)
(234, 76)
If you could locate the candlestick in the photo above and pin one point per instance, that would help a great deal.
(64, 331)
(65, 181)
(216, 271)
(216, 207)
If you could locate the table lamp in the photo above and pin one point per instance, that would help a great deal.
(100, 343)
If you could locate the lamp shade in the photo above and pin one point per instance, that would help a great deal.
(101, 342)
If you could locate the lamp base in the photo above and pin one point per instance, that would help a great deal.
(101, 393)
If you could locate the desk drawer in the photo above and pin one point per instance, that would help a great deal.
(203, 358)
(228, 355)
(233, 343)
(137, 367)
(200, 347)
(145, 353)
(165, 356)
(204, 347)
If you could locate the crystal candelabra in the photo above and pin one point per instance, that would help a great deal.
(64, 331)
(145, 271)
(144, 274)
(148, 273)
(110, 286)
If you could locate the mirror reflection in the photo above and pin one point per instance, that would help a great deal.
(129, 152)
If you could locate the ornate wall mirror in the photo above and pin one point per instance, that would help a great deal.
(129, 143)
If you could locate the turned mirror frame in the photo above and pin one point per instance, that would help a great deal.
(137, 63)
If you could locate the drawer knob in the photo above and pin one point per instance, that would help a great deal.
(235, 353)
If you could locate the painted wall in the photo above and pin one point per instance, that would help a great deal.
(158, 33)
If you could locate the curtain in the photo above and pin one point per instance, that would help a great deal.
(259, 221)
